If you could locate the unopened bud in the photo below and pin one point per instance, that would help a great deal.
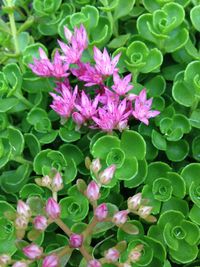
(134, 256)
(101, 212)
(52, 209)
(23, 209)
(134, 202)
(4, 259)
(46, 181)
(95, 165)
(40, 223)
(21, 222)
(57, 182)
(94, 263)
(20, 264)
(32, 251)
(144, 211)
(106, 176)
(92, 191)
(112, 255)
(76, 240)
(51, 261)
(120, 217)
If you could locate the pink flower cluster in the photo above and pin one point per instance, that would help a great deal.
(103, 107)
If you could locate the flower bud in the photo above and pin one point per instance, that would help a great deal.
(95, 165)
(144, 211)
(20, 264)
(32, 251)
(101, 212)
(112, 255)
(134, 202)
(120, 217)
(52, 209)
(50, 261)
(40, 223)
(46, 181)
(92, 191)
(21, 222)
(57, 182)
(76, 240)
(106, 176)
(94, 263)
(4, 259)
(134, 256)
(23, 209)
(78, 118)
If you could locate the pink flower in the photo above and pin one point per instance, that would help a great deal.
(75, 240)
(51, 261)
(92, 191)
(40, 223)
(142, 110)
(106, 175)
(78, 42)
(20, 264)
(52, 208)
(112, 255)
(94, 263)
(95, 165)
(104, 64)
(122, 86)
(135, 201)
(101, 212)
(23, 209)
(57, 182)
(33, 251)
(64, 104)
(120, 217)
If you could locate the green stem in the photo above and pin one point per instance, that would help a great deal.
(13, 28)
(24, 100)
(21, 160)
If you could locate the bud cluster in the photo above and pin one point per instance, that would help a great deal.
(52, 181)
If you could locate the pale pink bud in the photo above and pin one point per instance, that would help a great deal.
(134, 256)
(92, 191)
(20, 264)
(120, 217)
(101, 212)
(76, 240)
(51, 261)
(112, 255)
(40, 223)
(68, 34)
(78, 118)
(32, 251)
(95, 165)
(52, 208)
(134, 202)
(94, 263)
(23, 209)
(4, 259)
(144, 211)
(21, 222)
(106, 176)
(57, 182)
(46, 181)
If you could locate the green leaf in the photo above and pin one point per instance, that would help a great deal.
(195, 118)
(16, 140)
(128, 170)
(115, 156)
(177, 151)
(32, 143)
(194, 214)
(122, 10)
(69, 135)
(30, 190)
(158, 140)
(72, 152)
(8, 103)
(119, 41)
(196, 148)
(162, 189)
(195, 17)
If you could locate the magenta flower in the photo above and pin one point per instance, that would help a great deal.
(64, 104)
(101, 212)
(78, 42)
(52, 208)
(92, 191)
(106, 175)
(120, 217)
(51, 261)
(40, 223)
(23, 209)
(142, 110)
(75, 240)
(112, 255)
(94, 263)
(121, 86)
(104, 64)
(33, 251)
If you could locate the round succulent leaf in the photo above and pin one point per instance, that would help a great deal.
(119, 41)
(133, 144)
(32, 143)
(122, 235)
(158, 248)
(173, 217)
(36, 204)
(122, 10)
(145, 28)
(153, 61)
(137, 48)
(174, 135)
(13, 77)
(190, 173)
(73, 208)
(183, 94)
(182, 122)
(192, 232)
(194, 192)
(7, 237)
(196, 148)
(156, 170)
(8, 103)
(195, 118)
(156, 86)
(185, 253)
(170, 235)
(194, 214)
(176, 39)
(70, 171)
(194, 16)
(140, 176)
(46, 7)
(116, 156)
(156, 233)
(177, 151)
(47, 137)
(69, 135)
(103, 145)
(72, 152)
(162, 189)
(158, 140)
(108, 6)
(148, 194)
(178, 184)
(165, 125)
(128, 170)
(192, 75)
(175, 14)
(176, 204)
(30, 190)
(5, 151)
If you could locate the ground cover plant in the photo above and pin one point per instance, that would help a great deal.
(99, 133)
